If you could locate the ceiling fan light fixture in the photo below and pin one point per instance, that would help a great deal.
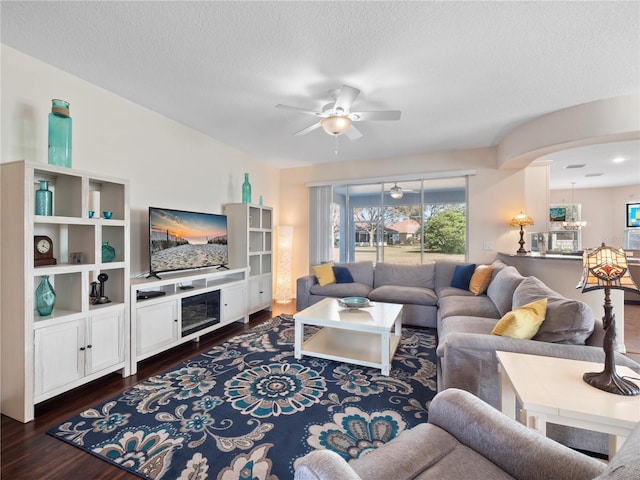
(336, 124)
(396, 192)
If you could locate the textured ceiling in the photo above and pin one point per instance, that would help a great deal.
(463, 73)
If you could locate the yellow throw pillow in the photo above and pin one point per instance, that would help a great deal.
(480, 279)
(523, 322)
(324, 273)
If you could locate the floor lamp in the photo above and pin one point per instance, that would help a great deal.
(606, 268)
(284, 292)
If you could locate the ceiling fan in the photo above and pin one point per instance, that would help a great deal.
(396, 192)
(337, 117)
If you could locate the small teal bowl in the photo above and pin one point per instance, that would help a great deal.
(354, 302)
(107, 214)
(91, 212)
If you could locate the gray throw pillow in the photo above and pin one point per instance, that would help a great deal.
(502, 286)
(566, 320)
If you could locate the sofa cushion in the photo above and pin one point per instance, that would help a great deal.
(480, 306)
(404, 275)
(424, 452)
(411, 295)
(324, 273)
(362, 272)
(566, 320)
(465, 324)
(342, 274)
(480, 279)
(452, 291)
(443, 272)
(462, 276)
(522, 322)
(502, 286)
(340, 290)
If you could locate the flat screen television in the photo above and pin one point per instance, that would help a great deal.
(633, 214)
(182, 240)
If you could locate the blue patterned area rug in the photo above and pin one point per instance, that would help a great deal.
(247, 409)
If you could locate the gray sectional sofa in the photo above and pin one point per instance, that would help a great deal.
(464, 321)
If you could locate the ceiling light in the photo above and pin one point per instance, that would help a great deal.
(575, 165)
(396, 192)
(618, 160)
(336, 124)
(594, 174)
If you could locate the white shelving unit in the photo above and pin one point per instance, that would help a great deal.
(80, 341)
(191, 305)
(251, 246)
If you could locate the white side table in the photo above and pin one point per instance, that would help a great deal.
(551, 390)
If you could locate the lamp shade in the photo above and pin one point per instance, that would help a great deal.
(606, 267)
(336, 124)
(284, 291)
(521, 220)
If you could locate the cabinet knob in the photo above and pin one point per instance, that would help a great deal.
(89, 346)
(176, 320)
(82, 349)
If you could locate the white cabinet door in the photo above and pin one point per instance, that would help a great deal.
(157, 326)
(259, 293)
(233, 300)
(105, 340)
(58, 356)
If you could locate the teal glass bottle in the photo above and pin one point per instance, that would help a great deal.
(45, 297)
(246, 189)
(44, 199)
(60, 134)
(108, 252)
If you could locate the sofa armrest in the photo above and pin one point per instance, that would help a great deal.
(303, 287)
(491, 434)
(324, 465)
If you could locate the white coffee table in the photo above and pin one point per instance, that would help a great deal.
(366, 336)
(551, 390)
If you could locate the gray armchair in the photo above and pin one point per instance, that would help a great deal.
(466, 438)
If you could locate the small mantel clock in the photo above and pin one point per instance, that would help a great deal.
(43, 251)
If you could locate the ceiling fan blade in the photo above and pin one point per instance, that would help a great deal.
(346, 97)
(379, 115)
(308, 129)
(301, 110)
(353, 133)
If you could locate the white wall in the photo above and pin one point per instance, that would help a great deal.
(166, 163)
(495, 196)
(604, 211)
(171, 165)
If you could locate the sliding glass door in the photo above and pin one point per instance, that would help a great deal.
(409, 221)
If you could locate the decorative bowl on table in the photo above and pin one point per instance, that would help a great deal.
(354, 302)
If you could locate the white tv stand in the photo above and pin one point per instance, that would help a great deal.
(192, 304)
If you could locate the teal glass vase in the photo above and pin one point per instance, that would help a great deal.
(246, 189)
(60, 134)
(45, 297)
(44, 199)
(108, 252)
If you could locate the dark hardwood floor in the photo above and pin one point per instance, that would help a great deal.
(27, 452)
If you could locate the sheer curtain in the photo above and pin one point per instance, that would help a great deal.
(320, 230)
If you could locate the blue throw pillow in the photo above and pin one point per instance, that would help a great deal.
(462, 276)
(343, 275)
